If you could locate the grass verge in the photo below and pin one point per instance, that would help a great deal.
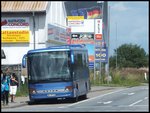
(119, 78)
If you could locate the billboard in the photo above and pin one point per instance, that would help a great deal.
(95, 24)
(82, 38)
(15, 30)
(101, 54)
(98, 29)
(75, 21)
(58, 34)
(88, 9)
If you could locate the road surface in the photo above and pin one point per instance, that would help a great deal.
(126, 99)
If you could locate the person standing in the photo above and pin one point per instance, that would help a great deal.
(13, 86)
(8, 72)
(22, 79)
(2, 86)
(5, 81)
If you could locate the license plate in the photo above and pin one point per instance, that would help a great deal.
(51, 95)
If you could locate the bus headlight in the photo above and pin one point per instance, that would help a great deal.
(32, 91)
(68, 88)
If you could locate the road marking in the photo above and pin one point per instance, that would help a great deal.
(95, 97)
(141, 105)
(107, 102)
(146, 98)
(131, 93)
(128, 105)
(135, 102)
(62, 107)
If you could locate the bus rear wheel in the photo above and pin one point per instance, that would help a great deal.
(84, 96)
(76, 99)
(32, 102)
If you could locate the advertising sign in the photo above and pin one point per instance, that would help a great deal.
(82, 38)
(58, 34)
(100, 43)
(15, 30)
(88, 9)
(75, 21)
(101, 54)
(98, 29)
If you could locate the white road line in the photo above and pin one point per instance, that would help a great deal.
(93, 98)
(131, 93)
(62, 107)
(107, 102)
(128, 105)
(146, 98)
(135, 102)
(141, 105)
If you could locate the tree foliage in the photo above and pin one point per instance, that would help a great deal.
(129, 55)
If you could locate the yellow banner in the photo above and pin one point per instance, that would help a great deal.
(15, 36)
(75, 17)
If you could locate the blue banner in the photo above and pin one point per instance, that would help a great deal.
(101, 54)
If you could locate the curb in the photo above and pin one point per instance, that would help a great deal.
(26, 102)
(101, 89)
(13, 106)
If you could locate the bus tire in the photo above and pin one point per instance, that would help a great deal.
(84, 96)
(32, 102)
(76, 99)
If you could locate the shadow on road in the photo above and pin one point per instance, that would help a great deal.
(55, 101)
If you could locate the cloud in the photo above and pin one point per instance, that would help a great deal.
(120, 6)
(132, 24)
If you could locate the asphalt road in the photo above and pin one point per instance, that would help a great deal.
(126, 99)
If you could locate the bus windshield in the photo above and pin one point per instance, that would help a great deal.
(49, 66)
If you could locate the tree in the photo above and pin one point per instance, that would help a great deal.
(129, 55)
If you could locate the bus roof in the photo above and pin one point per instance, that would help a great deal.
(59, 48)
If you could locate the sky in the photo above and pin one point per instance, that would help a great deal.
(129, 23)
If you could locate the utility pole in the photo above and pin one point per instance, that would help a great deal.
(34, 29)
(116, 45)
(108, 31)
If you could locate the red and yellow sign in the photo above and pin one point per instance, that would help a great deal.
(15, 36)
(15, 30)
(98, 36)
(75, 17)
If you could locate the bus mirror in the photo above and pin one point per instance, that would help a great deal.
(24, 61)
(72, 59)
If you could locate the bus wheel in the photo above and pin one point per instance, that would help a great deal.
(32, 102)
(84, 97)
(76, 99)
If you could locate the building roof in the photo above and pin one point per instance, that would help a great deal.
(23, 6)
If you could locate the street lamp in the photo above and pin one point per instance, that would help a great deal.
(116, 45)
(34, 29)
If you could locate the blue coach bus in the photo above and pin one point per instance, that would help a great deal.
(58, 72)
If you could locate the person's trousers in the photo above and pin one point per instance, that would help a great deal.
(5, 97)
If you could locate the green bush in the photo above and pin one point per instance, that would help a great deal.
(22, 90)
(123, 77)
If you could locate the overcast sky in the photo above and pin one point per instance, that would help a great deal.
(132, 21)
